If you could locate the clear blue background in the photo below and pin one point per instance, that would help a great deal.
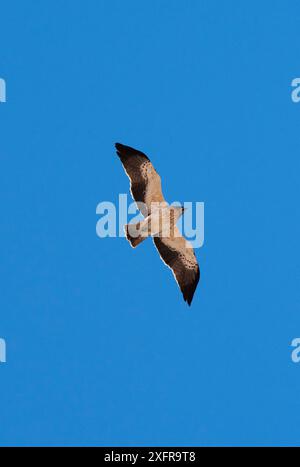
(101, 348)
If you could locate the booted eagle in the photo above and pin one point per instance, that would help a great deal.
(159, 220)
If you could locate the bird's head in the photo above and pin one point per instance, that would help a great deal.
(179, 210)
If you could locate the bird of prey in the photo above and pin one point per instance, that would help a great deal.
(159, 220)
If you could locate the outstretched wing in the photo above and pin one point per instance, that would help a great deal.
(178, 255)
(145, 183)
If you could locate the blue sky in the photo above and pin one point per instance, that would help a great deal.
(101, 348)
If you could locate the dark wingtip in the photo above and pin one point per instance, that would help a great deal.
(118, 147)
(123, 147)
(128, 151)
(188, 300)
(188, 294)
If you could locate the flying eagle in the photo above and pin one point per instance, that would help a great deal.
(159, 220)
